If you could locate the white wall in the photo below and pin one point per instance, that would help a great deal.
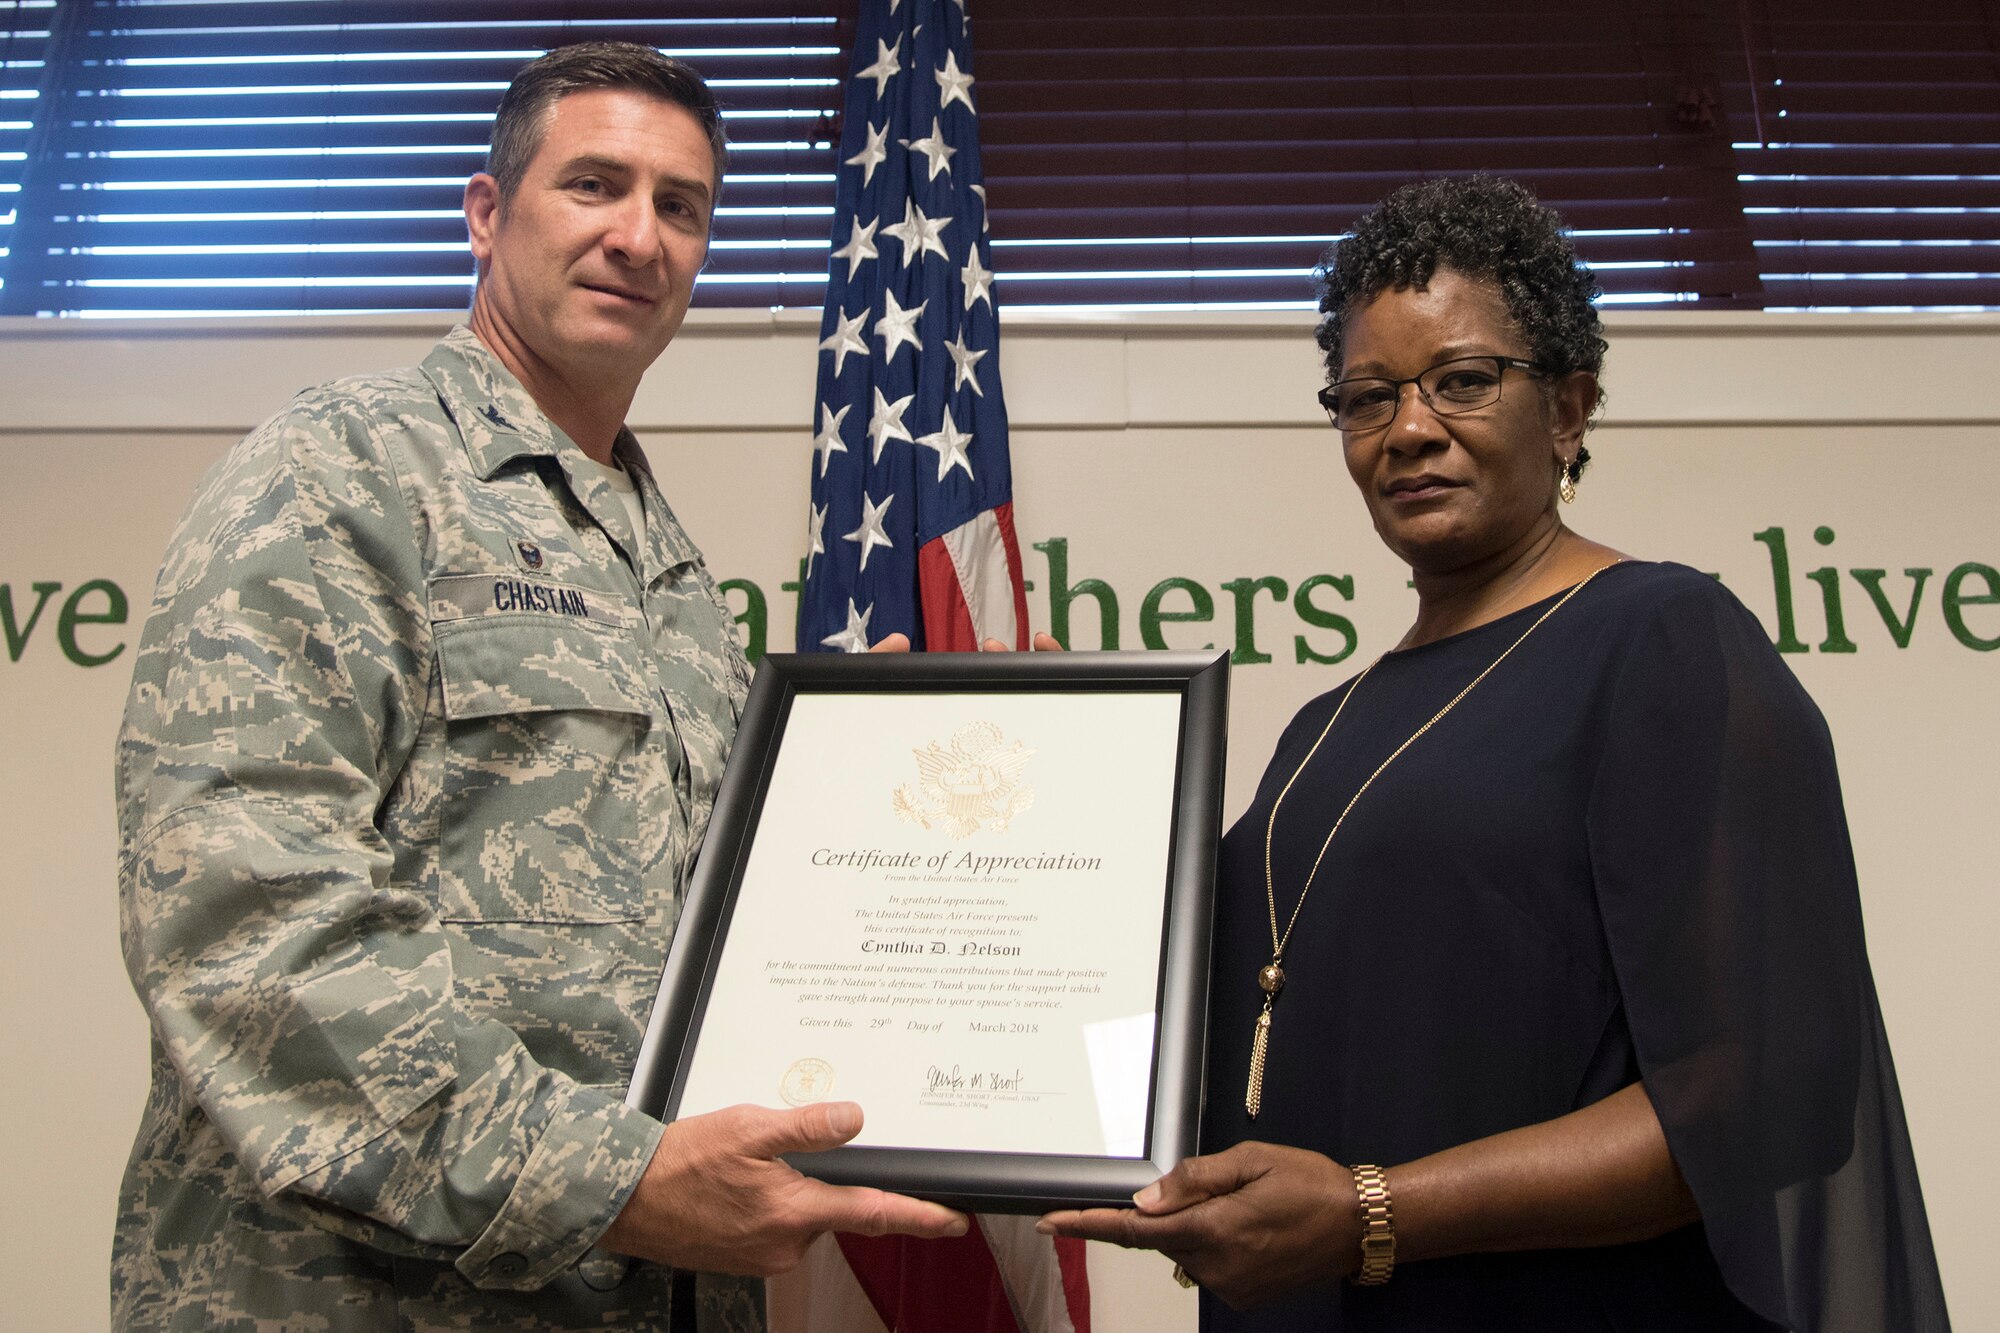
(1157, 448)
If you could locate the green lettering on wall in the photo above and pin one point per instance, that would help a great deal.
(1313, 614)
(1828, 579)
(17, 633)
(1788, 640)
(73, 615)
(1871, 581)
(1061, 594)
(1151, 615)
(1245, 592)
(794, 587)
(755, 619)
(1956, 598)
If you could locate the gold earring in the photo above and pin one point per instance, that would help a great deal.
(1566, 484)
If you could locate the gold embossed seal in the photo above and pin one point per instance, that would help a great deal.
(807, 1081)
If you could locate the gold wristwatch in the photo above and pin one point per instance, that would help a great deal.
(1378, 1227)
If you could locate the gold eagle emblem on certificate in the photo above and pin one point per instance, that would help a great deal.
(806, 1081)
(973, 783)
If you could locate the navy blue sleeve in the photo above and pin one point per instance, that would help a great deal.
(1726, 884)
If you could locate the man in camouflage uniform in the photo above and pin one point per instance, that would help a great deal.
(425, 727)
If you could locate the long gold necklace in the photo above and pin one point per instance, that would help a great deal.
(1271, 977)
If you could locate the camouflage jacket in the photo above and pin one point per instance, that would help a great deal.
(416, 758)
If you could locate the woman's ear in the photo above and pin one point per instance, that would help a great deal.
(1572, 399)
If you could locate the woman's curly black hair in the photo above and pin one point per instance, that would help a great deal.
(1480, 227)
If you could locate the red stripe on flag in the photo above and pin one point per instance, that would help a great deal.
(1070, 1250)
(946, 618)
(949, 598)
(934, 1286)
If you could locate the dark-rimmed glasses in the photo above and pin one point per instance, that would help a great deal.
(1463, 384)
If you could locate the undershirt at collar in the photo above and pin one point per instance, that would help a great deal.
(621, 483)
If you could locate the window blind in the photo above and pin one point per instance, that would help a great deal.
(1160, 154)
(24, 46)
(265, 156)
(1868, 147)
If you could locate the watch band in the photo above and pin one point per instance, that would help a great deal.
(1378, 1227)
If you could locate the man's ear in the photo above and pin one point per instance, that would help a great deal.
(482, 214)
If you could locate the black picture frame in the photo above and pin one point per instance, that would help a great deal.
(975, 1180)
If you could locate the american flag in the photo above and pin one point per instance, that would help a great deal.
(912, 516)
(912, 529)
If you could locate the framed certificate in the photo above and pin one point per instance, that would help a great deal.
(971, 892)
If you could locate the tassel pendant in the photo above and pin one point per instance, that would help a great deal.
(1253, 1096)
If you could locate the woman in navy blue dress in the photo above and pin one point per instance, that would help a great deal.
(1539, 998)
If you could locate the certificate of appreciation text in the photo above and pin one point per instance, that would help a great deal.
(935, 920)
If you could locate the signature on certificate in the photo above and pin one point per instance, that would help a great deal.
(956, 1079)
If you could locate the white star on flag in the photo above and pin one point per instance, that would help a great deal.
(887, 423)
(887, 65)
(898, 326)
(874, 155)
(828, 442)
(860, 246)
(815, 526)
(936, 151)
(954, 86)
(919, 234)
(870, 533)
(846, 338)
(950, 444)
(985, 224)
(977, 279)
(963, 360)
(853, 639)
